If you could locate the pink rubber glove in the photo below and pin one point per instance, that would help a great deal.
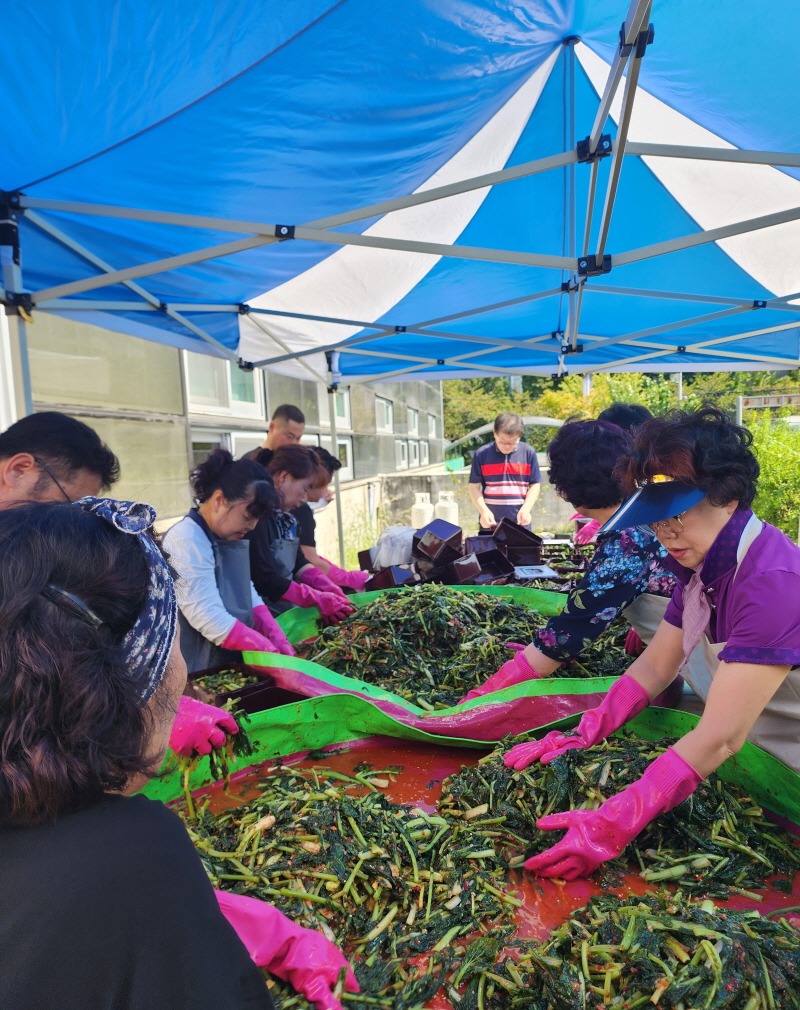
(312, 576)
(593, 836)
(265, 624)
(634, 646)
(199, 728)
(587, 532)
(302, 957)
(331, 605)
(625, 699)
(514, 671)
(350, 580)
(242, 638)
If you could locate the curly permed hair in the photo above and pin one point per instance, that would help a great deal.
(582, 459)
(704, 449)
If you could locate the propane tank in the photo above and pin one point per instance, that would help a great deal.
(421, 510)
(447, 508)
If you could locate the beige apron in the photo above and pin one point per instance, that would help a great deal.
(777, 729)
(645, 614)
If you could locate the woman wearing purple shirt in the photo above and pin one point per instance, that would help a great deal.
(738, 596)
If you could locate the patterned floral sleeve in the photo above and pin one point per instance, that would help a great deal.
(625, 565)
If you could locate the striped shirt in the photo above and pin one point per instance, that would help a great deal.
(505, 477)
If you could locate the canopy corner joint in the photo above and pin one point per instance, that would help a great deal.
(643, 40)
(588, 266)
(586, 156)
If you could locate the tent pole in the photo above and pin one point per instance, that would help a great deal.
(332, 359)
(17, 305)
(25, 366)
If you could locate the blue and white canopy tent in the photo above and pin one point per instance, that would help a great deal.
(425, 189)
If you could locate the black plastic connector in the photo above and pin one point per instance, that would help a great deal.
(643, 40)
(603, 149)
(284, 231)
(589, 267)
(681, 348)
(244, 309)
(759, 303)
(246, 366)
(399, 329)
(569, 349)
(18, 303)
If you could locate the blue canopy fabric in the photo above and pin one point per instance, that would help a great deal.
(252, 180)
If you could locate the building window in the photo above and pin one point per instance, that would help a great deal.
(413, 421)
(344, 450)
(384, 415)
(205, 442)
(400, 454)
(413, 453)
(424, 454)
(220, 387)
(431, 426)
(341, 399)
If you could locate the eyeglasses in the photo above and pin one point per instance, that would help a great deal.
(666, 524)
(43, 466)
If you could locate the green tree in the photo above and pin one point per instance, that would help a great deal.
(777, 447)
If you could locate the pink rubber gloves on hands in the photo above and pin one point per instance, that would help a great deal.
(302, 957)
(199, 728)
(333, 606)
(593, 836)
(514, 671)
(349, 580)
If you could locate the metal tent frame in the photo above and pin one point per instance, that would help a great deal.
(584, 267)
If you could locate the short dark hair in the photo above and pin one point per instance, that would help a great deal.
(582, 459)
(511, 424)
(704, 449)
(288, 412)
(63, 442)
(72, 723)
(237, 479)
(295, 460)
(626, 415)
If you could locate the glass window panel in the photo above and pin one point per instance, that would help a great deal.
(413, 421)
(207, 379)
(431, 426)
(73, 363)
(400, 454)
(413, 453)
(384, 414)
(243, 386)
(424, 454)
(154, 461)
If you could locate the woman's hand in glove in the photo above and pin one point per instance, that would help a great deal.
(200, 728)
(304, 958)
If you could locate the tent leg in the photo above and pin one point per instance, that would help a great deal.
(25, 367)
(335, 451)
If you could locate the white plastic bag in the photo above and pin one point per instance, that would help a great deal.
(394, 546)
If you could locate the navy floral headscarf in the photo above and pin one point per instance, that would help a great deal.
(149, 642)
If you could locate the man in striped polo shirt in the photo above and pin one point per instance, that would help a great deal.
(505, 477)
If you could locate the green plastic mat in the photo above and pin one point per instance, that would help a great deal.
(300, 623)
(337, 718)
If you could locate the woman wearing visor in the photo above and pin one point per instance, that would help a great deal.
(627, 574)
(738, 597)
